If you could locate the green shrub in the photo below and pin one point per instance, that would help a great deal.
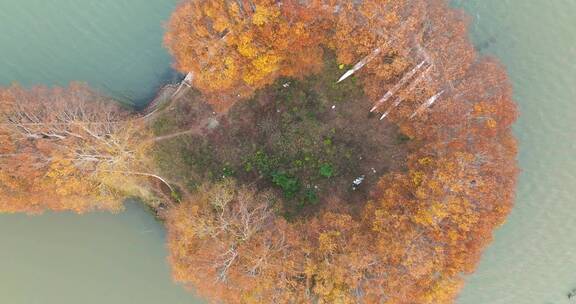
(311, 196)
(326, 170)
(228, 171)
(289, 184)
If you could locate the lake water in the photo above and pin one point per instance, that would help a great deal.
(98, 258)
(115, 45)
(533, 257)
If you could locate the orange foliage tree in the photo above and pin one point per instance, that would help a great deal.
(67, 149)
(227, 243)
(235, 47)
(422, 229)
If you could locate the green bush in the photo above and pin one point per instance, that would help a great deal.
(264, 163)
(228, 171)
(289, 184)
(326, 170)
(311, 196)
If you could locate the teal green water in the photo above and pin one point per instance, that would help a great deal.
(97, 258)
(533, 257)
(115, 45)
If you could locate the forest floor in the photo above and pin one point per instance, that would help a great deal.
(309, 140)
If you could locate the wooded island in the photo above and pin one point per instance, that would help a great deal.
(327, 151)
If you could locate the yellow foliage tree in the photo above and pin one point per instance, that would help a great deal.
(236, 47)
(69, 149)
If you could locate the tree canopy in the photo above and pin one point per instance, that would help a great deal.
(68, 149)
(236, 47)
(423, 228)
(424, 224)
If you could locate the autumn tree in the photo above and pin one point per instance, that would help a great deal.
(424, 227)
(235, 47)
(432, 222)
(226, 242)
(420, 232)
(68, 149)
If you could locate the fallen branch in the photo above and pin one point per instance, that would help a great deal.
(360, 64)
(398, 85)
(142, 174)
(186, 82)
(408, 89)
(427, 104)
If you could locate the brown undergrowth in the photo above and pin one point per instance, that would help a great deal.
(294, 137)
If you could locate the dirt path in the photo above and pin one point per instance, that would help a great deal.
(198, 128)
